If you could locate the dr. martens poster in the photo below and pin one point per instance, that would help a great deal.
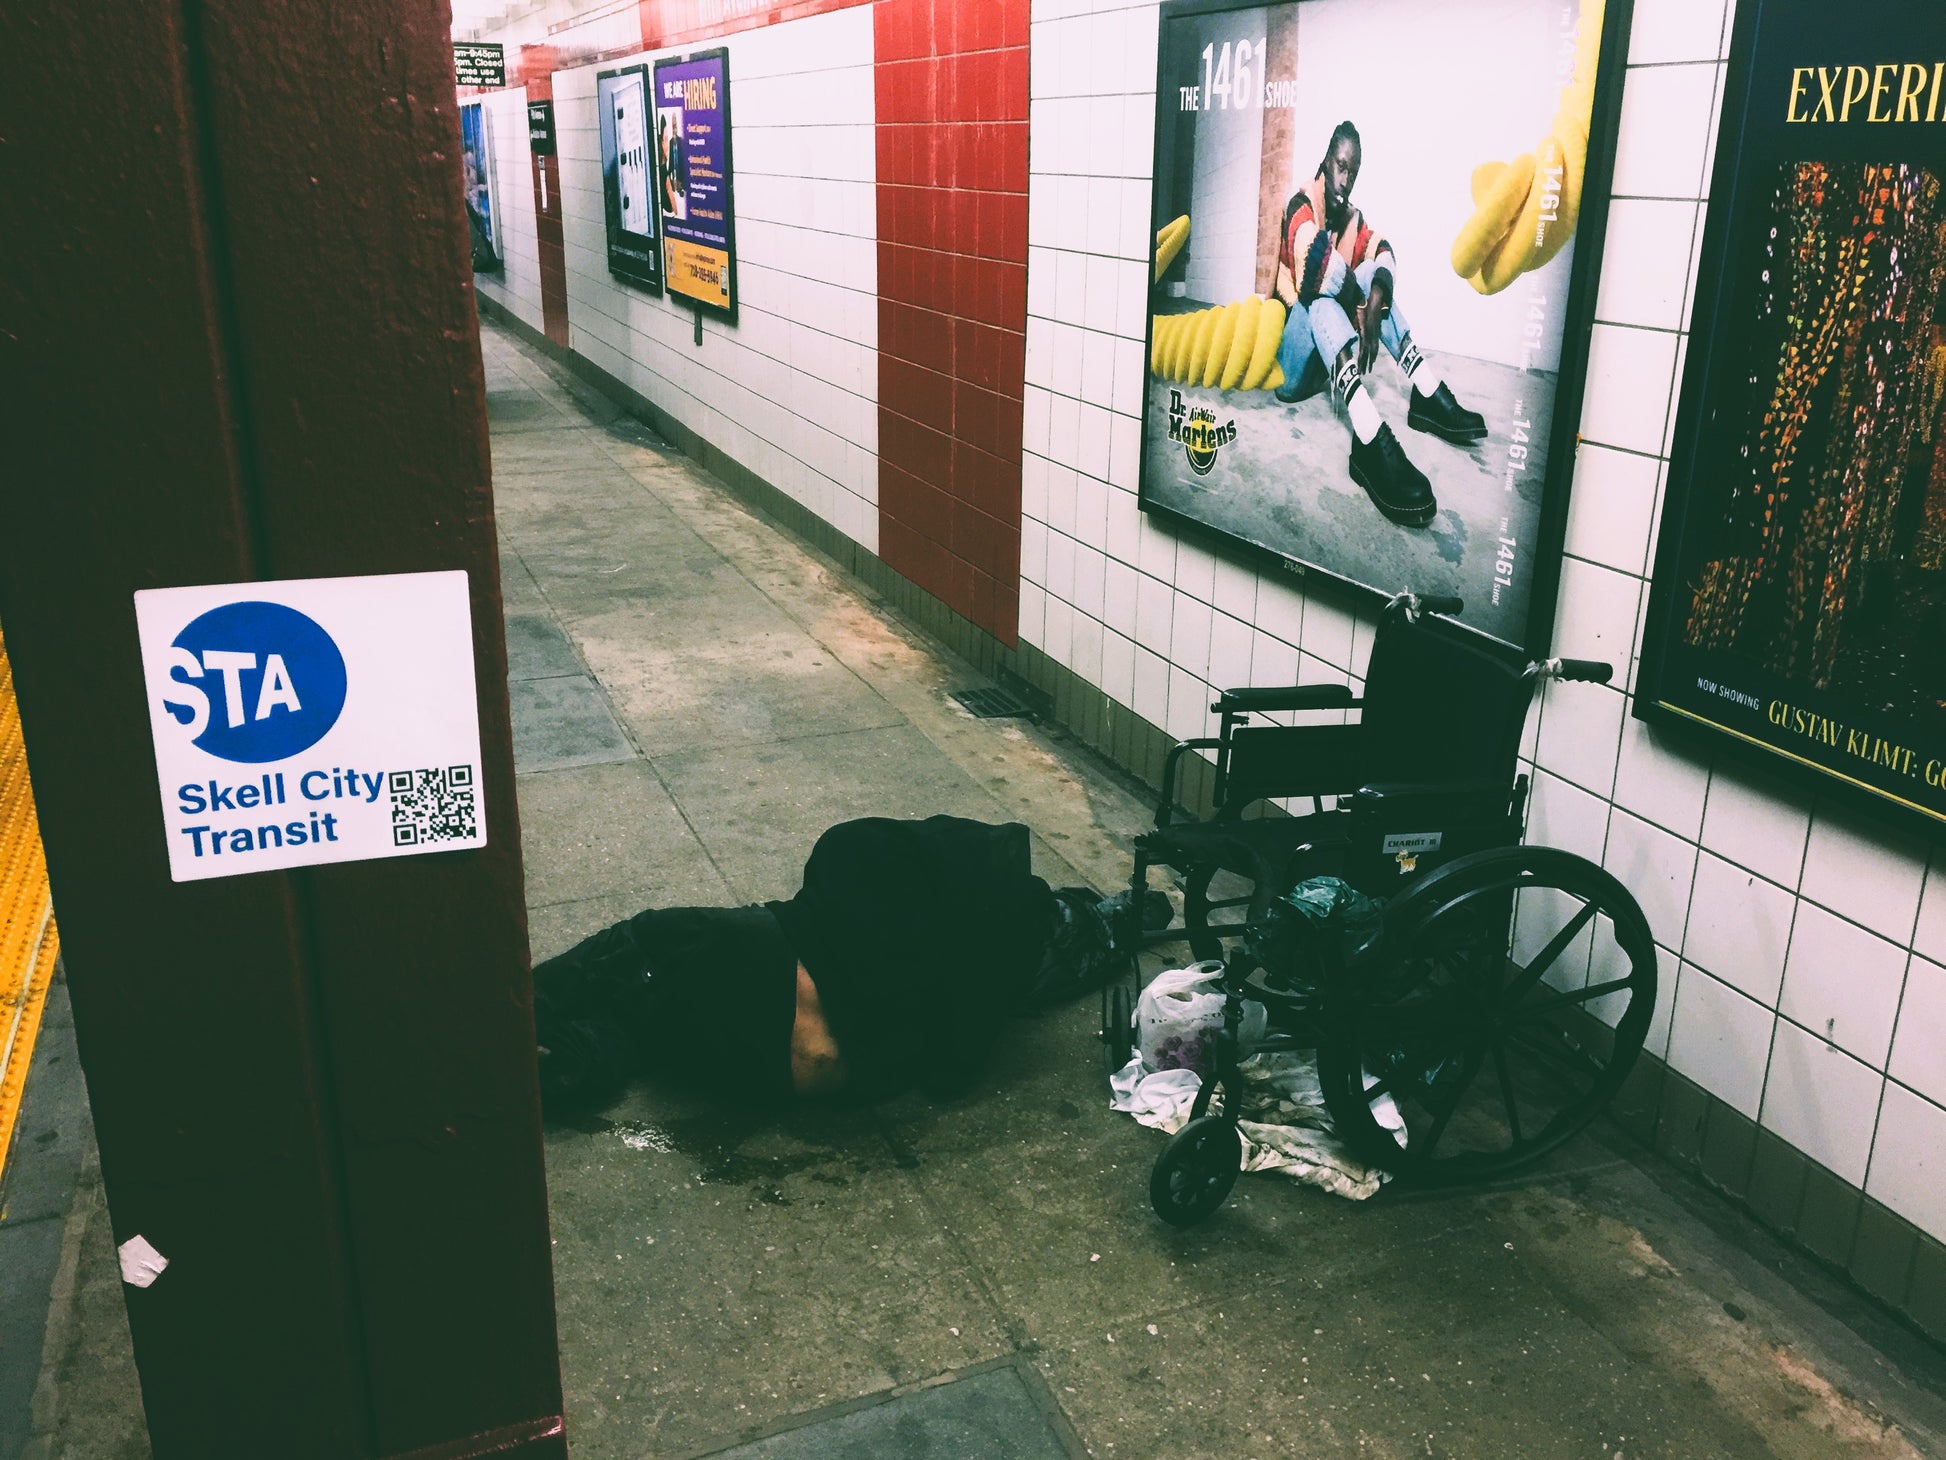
(1799, 603)
(1377, 224)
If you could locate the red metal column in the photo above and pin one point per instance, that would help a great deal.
(537, 67)
(237, 342)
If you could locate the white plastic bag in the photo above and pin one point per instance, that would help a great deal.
(1180, 1015)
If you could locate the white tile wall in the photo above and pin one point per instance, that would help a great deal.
(791, 391)
(1822, 1101)
(1784, 927)
(1919, 1048)
(1908, 1171)
(1720, 1039)
(517, 289)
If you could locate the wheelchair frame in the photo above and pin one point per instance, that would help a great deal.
(1413, 1016)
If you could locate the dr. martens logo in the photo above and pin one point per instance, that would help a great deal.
(1202, 439)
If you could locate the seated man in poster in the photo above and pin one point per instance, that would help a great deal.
(1337, 277)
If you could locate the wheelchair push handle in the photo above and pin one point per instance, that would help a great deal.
(1580, 671)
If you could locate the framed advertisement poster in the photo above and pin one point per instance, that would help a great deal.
(692, 144)
(629, 176)
(1373, 284)
(476, 161)
(1799, 598)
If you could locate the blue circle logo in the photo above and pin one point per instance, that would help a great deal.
(255, 682)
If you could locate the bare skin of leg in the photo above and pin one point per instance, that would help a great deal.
(817, 1065)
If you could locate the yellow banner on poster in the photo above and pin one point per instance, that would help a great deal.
(699, 272)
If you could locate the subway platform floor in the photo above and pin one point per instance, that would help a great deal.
(697, 695)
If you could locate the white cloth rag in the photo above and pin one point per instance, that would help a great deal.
(1286, 1128)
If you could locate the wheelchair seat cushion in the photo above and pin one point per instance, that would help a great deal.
(1264, 849)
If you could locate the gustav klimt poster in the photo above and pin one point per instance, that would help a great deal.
(1800, 595)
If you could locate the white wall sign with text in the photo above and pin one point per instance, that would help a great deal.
(316, 720)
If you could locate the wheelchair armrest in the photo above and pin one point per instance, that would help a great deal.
(1165, 807)
(1292, 697)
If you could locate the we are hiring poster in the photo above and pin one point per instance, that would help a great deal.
(692, 140)
(1376, 227)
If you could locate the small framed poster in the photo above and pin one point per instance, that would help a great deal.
(479, 63)
(692, 144)
(1798, 605)
(630, 176)
(540, 128)
(1378, 228)
(477, 161)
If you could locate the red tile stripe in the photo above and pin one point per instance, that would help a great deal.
(952, 279)
(537, 66)
(678, 22)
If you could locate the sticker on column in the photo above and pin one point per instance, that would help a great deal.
(315, 720)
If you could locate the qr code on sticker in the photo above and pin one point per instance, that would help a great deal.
(434, 805)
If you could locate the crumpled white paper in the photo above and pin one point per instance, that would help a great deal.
(141, 1263)
(1293, 1133)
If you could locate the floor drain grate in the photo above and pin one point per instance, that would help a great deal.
(992, 704)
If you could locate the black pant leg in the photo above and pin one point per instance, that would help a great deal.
(704, 995)
(585, 1002)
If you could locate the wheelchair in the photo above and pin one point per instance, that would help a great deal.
(1495, 1003)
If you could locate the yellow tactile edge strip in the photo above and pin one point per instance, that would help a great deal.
(29, 941)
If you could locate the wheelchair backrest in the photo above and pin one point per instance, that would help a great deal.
(1440, 706)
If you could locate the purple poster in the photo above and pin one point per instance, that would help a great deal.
(692, 142)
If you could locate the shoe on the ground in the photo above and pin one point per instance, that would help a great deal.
(1397, 487)
(1091, 941)
(584, 1064)
(1442, 415)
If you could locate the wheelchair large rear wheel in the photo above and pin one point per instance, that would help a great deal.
(1499, 1011)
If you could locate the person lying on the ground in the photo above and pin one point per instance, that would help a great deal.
(898, 963)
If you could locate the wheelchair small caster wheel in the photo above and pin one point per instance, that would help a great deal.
(1117, 1026)
(1195, 1171)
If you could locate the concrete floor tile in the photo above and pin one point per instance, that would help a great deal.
(1051, 1189)
(610, 830)
(791, 1255)
(566, 447)
(760, 688)
(559, 926)
(1447, 1358)
(562, 722)
(519, 593)
(992, 1413)
(537, 649)
(515, 406)
(575, 501)
(51, 1138)
(670, 608)
(566, 391)
(30, 1254)
(88, 1400)
(760, 807)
